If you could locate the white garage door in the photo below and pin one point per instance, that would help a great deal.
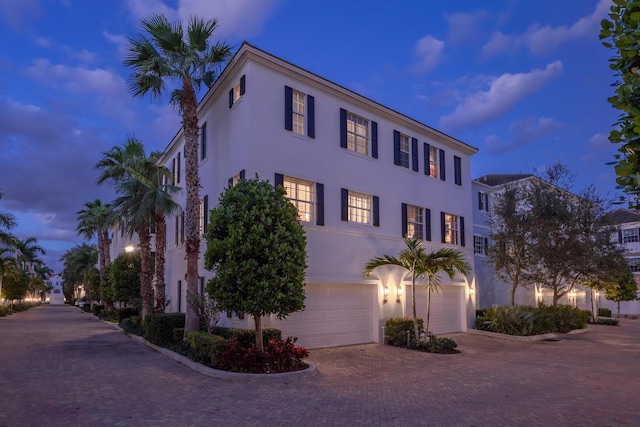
(446, 308)
(334, 315)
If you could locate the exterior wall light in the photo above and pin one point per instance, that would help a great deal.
(385, 292)
(129, 248)
(399, 293)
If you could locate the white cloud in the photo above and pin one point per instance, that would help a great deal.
(522, 132)
(499, 43)
(239, 18)
(121, 42)
(600, 140)
(429, 52)
(503, 93)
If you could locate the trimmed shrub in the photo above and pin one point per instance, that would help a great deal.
(132, 325)
(158, 327)
(178, 334)
(436, 345)
(205, 347)
(247, 337)
(524, 320)
(97, 309)
(86, 308)
(612, 322)
(604, 312)
(5, 310)
(126, 312)
(395, 330)
(278, 356)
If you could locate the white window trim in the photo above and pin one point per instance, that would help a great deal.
(449, 220)
(411, 220)
(297, 202)
(354, 211)
(354, 119)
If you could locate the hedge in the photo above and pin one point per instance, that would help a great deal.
(158, 327)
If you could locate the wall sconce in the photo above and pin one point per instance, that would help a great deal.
(540, 294)
(129, 248)
(472, 291)
(385, 292)
(399, 293)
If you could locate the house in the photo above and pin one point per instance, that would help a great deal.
(492, 289)
(56, 296)
(362, 176)
(627, 223)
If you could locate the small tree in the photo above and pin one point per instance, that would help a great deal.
(257, 248)
(625, 290)
(123, 276)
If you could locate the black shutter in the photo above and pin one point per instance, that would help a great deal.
(396, 147)
(374, 140)
(442, 167)
(178, 162)
(427, 225)
(479, 201)
(230, 182)
(462, 239)
(427, 164)
(486, 245)
(203, 141)
(242, 85)
(278, 180)
(311, 116)
(242, 174)
(344, 204)
(182, 227)
(486, 202)
(414, 154)
(173, 171)
(619, 236)
(177, 230)
(457, 170)
(230, 97)
(343, 128)
(319, 204)
(205, 207)
(376, 211)
(288, 108)
(443, 227)
(404, 220)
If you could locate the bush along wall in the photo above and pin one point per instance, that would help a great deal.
(158, 327)
(525, 320)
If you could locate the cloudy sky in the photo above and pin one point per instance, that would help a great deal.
(524, 81)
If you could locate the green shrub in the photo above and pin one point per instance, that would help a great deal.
(524, 320)
(20, 306)
(395, 330)
(436, 345)
(97, 309)
(5, 310)
(107, 315)
(205, 347)
(126, 312)
(178, 334)
(278, 356)
(247, 337)
(158, 327)
(604, 312)
(612, 322)
(132, 325)
(86, 308)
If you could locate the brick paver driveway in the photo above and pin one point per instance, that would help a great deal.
(59, 366)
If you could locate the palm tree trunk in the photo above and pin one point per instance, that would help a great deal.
(190, 126)
(415, 315)
(161, 244)
(258, 322)
(428, 305)
(146, 292)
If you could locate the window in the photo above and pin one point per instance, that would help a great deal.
(179, 229)
(357, 134)
(415, 222)
(236, 92)
(359, 207)
(483, 201)
(404, 151)
(234, 179)
(630, 235)
(634, 264)
(452, 228)
(203, 141)
(297, 105)
(457, 170)
(204, 215)
(298, 112)
(201, 285)
(479, 245)
(300, 194)
(433, 161)
(176, 169)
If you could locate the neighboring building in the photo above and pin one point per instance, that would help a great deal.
(493, 290)
(56, 296)
(627, 222)
(361, 175)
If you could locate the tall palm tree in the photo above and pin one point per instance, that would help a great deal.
(8, 264)
(420, 265)
(7, 223)
(79, 269)
(144, 199)
(97, 218)
(169, 52)
(28, 251)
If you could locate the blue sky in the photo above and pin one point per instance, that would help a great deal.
(525, 82)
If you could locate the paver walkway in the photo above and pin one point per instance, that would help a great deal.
(62, 367)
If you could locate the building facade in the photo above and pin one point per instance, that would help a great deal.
(362, 176)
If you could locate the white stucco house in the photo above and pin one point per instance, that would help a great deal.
(361, 175)
(56, 296)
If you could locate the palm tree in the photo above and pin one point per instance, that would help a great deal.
(79, 269)
(7, 223)
(421, 265)
(144, 199)
(28, 251)
(97, 218)
(8, 264)
(172, 53)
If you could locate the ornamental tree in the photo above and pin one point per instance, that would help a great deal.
(257, 248)
(624, 290)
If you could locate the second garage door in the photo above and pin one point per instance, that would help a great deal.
(446, 308)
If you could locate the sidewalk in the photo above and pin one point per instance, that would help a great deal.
(62, 367)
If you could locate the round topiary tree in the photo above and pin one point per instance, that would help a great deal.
(257, 248)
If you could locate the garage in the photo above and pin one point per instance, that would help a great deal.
(335, 314)
(447, 308)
